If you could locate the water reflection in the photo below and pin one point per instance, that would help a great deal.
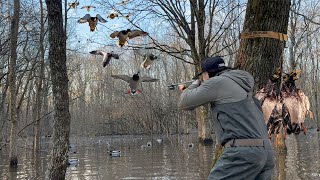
(176, 157)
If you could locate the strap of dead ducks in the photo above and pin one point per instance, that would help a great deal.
(267, 34)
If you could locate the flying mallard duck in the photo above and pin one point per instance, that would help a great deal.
(134, 81)
(73, 5)
(148, 61)
(106, 56)
(127, 16)
(125, 34)
(113, 15)
(93, 21)
(123, 2)
(88, 7)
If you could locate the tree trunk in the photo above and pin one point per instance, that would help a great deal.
(262, 56)
(37, 128)
(61, 126)
(12, 85)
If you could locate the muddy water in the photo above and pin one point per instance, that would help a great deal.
(145, 157)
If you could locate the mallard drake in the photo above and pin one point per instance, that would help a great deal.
(73, 5)
(148, 61)
(93, 21)
(134, 81)
(106, 56)
(125, 34)
(88, 7)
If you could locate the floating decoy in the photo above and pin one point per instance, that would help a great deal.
(106, 56)
(159, 141)
(148, 61)
(190, 145)
(88, 7)
(115, 153)
(134, 81)
(125, 34)
(73, 5)
(73, 162)
(93, 21)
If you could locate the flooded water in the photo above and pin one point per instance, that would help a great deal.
(155, 157)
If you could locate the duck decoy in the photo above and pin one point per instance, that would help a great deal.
(88, 7)
(93, 21)
(115, 153)
(190, 145)
(134, 81)
(125, 34)
(148, 61)
(73, 162)
(106, 56)
(73, 5)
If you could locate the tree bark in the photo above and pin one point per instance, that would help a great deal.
(262, 56)
(12, 85)
(61, 125)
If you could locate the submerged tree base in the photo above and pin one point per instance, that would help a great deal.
(206, 141)
(14, 162)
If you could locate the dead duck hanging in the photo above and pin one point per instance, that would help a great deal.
(287, 109)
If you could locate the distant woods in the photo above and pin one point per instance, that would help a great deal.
(98, 103)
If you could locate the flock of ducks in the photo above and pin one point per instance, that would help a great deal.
(285, 110)
(123, 36)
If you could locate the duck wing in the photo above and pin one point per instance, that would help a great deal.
(101, 19)
(148, 79)
(105, 55)
(98, 52)
(85, 19)
(123, 77)
(116, 56)
(294, 108)
(114, 34)
(136, 33)
(147, 62)
(305, 106)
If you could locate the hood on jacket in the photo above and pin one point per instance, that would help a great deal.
(243, 78)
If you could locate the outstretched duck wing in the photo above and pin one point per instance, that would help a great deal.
(123, 77)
